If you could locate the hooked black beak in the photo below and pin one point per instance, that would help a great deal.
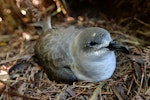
(115, 46)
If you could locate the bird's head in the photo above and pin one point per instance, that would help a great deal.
(95, 41)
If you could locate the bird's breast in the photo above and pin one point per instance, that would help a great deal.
(95, 70)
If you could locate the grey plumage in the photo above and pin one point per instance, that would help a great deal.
(71, 54)
(52, 50)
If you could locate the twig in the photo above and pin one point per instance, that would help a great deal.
(97, 91)
(137, 40)
(33, 11)
(130, 87)
(141, 83)
(116, 93)
(144, 33)
(16, 58)
(65, 4)
(6, 38)
(18, 95)
(76, 95)
(62, 94)
(141, 22)
(50, 8)
(60, 7)
(145, 74)
(81, 86)
(146, 56)
(135, 80)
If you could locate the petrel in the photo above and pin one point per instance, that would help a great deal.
(76, 54)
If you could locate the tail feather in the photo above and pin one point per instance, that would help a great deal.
(44, 25)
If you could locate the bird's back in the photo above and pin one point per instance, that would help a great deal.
(52, 51)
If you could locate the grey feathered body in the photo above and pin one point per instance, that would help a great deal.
(52, 50)
(67, 55)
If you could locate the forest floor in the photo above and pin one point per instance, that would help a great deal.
(28, 81)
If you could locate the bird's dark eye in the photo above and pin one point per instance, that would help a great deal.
(92, 43)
